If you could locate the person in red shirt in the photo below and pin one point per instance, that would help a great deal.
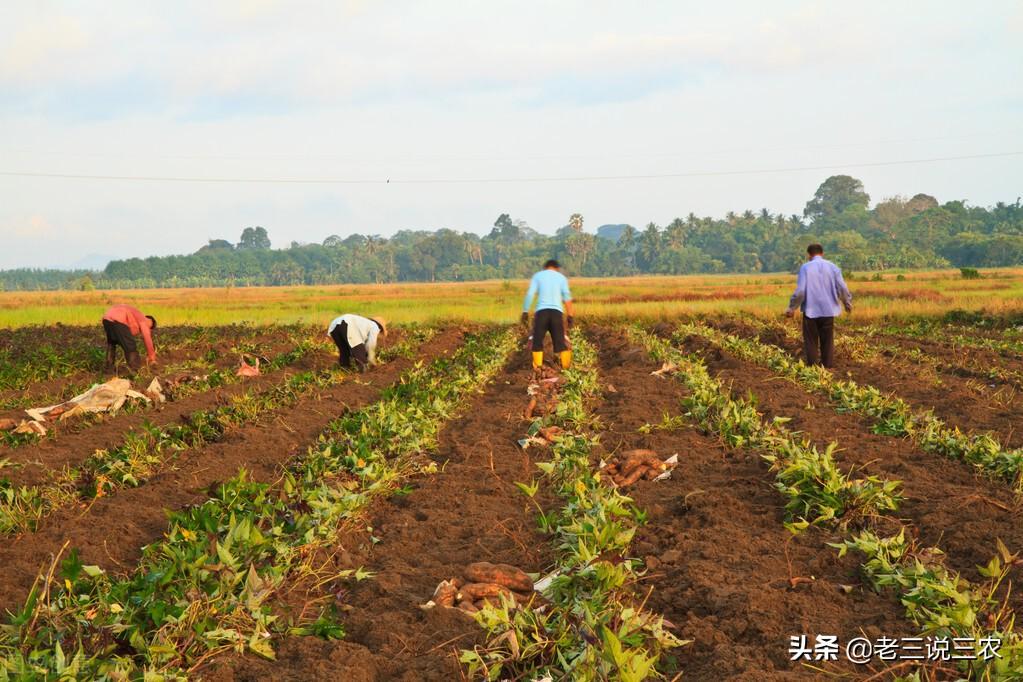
(122, 323)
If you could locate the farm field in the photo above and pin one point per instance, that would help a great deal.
(683, 502)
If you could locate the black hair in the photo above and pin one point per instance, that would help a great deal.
(815, 250)
(380, 327)
(551, 264)
(153, 320)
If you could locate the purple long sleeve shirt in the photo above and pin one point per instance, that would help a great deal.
(819, 289)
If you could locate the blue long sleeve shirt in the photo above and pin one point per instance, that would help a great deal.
(819, 288)
(550, 288)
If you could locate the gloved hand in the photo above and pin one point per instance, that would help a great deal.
(570, 322)
(525, 319)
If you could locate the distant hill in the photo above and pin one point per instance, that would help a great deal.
(611, 232)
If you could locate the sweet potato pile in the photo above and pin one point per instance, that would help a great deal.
(632, 465)
(543, 392)
(483, 583)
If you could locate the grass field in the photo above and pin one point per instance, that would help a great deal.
(918, 293)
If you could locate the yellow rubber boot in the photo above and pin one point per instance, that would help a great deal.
(566, 359)
(537, 359)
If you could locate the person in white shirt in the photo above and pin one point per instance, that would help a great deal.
(356, 339)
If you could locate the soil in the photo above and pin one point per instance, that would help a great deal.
(469, 511)
(947, 503)
(715, 545)
(952, 400)
(134, 517)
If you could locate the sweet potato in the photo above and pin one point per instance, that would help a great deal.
(501, 574)
(474, 591)
(530, 408)
(8, 424)
(445, 594)
(550, 433)
(628, 461)
(636, 474)
(468, 607)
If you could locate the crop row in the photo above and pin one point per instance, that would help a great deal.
(865, 348)
(47, 363)
(1008, 343)
(208, 585)
(862, 347)
(143, 453)
(35, 356)
(588, 626)
(939, 601)
(300, 347)
(891, 415)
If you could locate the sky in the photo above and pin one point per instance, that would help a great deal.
(185, 121)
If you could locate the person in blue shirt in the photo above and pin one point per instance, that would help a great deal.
(553, 303)
(819, 289)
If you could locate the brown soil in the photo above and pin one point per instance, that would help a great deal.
(946, 502)
(469, 511)
(133, 517)
(715, 544)
(951, 400)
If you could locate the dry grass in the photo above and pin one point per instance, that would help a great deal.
(920, 293)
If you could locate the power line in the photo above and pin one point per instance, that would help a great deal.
(505, 157)
(507, 180)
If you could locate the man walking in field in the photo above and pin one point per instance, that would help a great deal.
(819, 288)
(122, 323)
(553, 300)
(356, 338)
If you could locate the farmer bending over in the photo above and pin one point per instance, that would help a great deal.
(553, 299)
(356, 337)
(122, 323)
(819, 288)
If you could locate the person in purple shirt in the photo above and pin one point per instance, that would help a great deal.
(819, 289)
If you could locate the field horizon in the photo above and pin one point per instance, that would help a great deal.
(893, 294)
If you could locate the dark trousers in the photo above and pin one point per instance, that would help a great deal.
(553, 321)
(345, 352)
(819, 340)
(118, 334)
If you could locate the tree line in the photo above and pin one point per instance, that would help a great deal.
(898, 232)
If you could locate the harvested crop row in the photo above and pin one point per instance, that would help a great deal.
(50, 455)
(892, 415)
(223, 560)
(939, 601)
(941, 368)
(68, 351)
(985, 366)
(415, 539)
(137, 517)
(141, 455)
(590, 626)
(178, 383)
